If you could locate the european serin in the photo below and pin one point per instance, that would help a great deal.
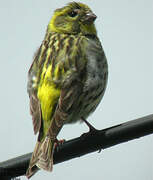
(66, 80)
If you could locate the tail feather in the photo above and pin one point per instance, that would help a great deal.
(42, 157)
(45, 157)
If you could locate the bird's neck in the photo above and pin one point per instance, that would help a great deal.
(88, 29)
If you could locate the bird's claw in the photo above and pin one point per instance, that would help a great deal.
(58, 143)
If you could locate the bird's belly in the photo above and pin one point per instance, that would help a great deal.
(93, 92)
(92, 95)
(95, 85)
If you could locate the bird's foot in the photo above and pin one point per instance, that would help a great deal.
(58, 143)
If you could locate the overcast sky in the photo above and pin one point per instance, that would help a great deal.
(125, 28)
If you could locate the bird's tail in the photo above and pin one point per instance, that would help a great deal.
(42, 157)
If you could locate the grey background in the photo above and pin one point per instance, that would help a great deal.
(125, 28)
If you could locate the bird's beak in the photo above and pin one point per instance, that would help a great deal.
(90, 18)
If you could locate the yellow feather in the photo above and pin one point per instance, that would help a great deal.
(51, 25)
(48, 95)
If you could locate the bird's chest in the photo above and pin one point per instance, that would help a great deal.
(94, 73)
(96, 69)
(96, 80)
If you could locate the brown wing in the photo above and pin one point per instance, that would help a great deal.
(35, 108)
(68, 104)
(35, 111)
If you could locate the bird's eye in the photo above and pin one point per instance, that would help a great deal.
(72, 13)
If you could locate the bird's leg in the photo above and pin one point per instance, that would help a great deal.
(92, 130)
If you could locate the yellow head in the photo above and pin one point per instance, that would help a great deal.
(73, 19)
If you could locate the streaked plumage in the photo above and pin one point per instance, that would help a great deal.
(66, 80)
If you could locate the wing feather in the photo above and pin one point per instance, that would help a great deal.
(68, 103)
(35, 111)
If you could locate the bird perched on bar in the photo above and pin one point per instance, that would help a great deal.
(66, 80)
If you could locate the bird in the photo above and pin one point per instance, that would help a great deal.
(67, 78)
